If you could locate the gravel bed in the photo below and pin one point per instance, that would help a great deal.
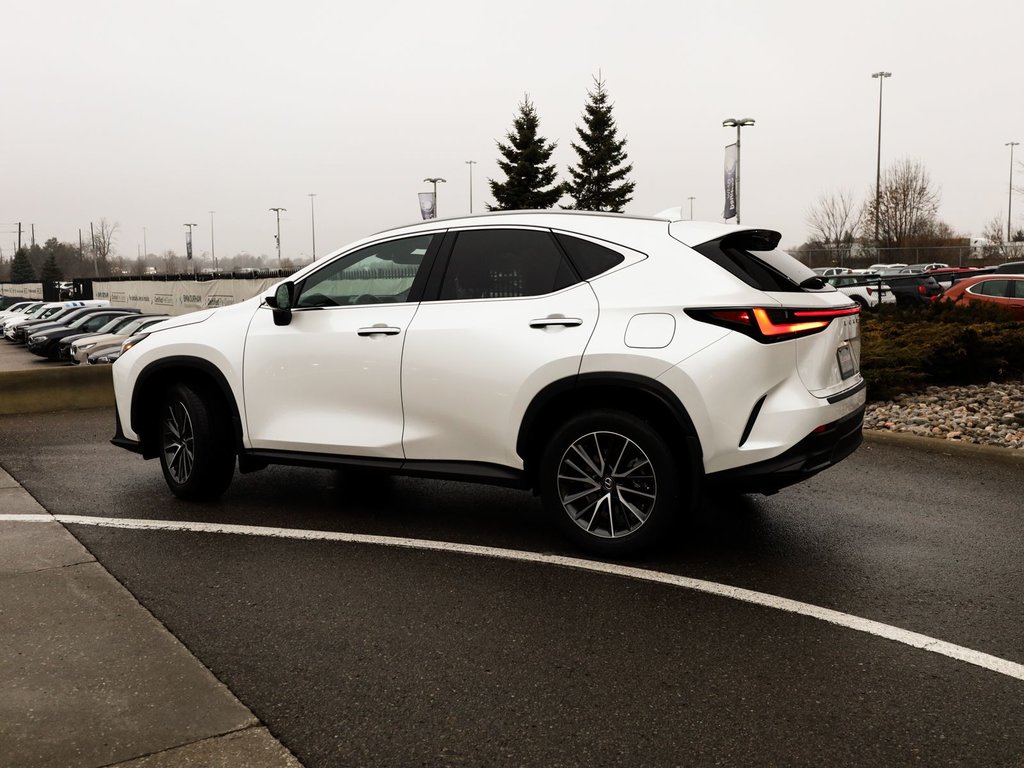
(984, 414)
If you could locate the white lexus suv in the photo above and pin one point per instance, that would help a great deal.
(613, 364)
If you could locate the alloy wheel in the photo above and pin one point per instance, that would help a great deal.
(179, 442)
(607, 484)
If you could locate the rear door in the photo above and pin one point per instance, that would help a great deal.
(509, 315)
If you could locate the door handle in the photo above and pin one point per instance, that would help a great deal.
(556, 320)
(380, 329)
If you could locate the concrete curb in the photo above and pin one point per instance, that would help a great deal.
(60, 388)
(945, 447)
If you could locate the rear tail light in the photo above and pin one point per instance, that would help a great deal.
(871, 291)
(769, 325)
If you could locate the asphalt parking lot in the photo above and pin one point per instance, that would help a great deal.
(355, 651)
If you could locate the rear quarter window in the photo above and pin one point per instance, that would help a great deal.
(589, 259)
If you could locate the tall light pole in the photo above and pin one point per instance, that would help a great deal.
(312, 221)
(1009, 205)
(434, 181)
(470, 163)
(878, 164)
(213, 253)
(733, 122)
(278, 236)
(188, 245)
(144, 246)
(691, 199)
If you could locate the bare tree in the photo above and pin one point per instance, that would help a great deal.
(103, 239)
(906, 207)
(834, 221)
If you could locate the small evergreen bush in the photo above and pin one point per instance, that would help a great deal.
(904, 349)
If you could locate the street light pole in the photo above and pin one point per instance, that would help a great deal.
(278, 236)
(733, 122)
(470, 163)
(691, 199)
(1009, 205)
(878, 163)
(188, 245)
(213, 252)
(434, 181)
(312, 221)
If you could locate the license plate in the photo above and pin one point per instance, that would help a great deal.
(846, 365)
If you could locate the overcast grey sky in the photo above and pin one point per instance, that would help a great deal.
(151, 114)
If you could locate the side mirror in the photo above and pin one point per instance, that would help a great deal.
(282, 302)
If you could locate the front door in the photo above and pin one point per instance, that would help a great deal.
(330, 380)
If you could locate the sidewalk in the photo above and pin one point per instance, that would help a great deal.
(89, 678)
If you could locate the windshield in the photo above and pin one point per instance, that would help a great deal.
(119, 324)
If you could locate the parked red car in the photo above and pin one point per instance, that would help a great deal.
(1004, 290)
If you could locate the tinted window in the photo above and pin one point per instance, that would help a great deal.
(767, 270)
(1016, 289)
(380, 273)
(992, 287)
(590, 259)
(504, 263)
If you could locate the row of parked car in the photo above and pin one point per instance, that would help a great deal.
(80, 332)
(917, 284)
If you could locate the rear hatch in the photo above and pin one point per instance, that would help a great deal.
(819, 323)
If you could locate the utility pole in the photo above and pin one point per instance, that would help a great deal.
(1009, 205)
(312, 221)
(278, 236)
(470, 163)
(878, 161)
(213, 253)
(95, 261)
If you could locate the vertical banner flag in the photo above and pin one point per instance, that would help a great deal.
(427, 205)
(731, 169)
(188, 243)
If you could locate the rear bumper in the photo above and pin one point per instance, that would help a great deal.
(817, 451)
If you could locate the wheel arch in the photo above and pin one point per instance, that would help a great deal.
(630, 393)
(154, 379)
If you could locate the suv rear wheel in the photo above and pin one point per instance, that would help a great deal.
(611, 482)
(195, 449)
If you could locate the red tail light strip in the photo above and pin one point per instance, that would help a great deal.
(773, 324)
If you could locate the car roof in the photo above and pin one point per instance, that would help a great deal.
(599, 224)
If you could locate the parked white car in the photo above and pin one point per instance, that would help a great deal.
(613, 364)
(47, 311)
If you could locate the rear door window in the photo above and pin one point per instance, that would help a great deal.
(505, 263)
(992, 288)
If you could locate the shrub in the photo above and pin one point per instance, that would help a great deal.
(905, 349)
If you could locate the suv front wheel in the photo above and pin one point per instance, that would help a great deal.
(611, 482)
(195, 449)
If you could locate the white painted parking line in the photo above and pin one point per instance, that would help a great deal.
(887, 631)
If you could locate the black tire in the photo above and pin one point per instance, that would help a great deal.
(861, 302)
(196, 449)
(611, 483)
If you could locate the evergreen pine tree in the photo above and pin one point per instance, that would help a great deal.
(529, 174)
(21, 268)
(50, 271)
(598, 182)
